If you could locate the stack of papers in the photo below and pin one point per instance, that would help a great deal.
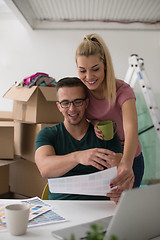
(40, 213)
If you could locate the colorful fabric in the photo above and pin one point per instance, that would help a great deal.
(39, 79)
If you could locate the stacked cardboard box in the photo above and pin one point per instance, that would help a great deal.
(4, 178)
(6, 140)
(6, 149)
(4, 175)
(25, 179)
(6, 116)
(33, 109)
(25, 137)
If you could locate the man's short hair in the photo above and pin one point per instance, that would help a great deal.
(71, 82)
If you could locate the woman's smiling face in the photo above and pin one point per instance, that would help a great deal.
(91, 71)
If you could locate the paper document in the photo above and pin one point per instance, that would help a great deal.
(89, 184)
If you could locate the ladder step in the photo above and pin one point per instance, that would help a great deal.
(136, 72)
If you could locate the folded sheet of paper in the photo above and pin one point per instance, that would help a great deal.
(89, 184)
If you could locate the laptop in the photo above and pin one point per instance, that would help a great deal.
(137, 216)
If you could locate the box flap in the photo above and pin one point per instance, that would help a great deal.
(49, 93)
(20, 93)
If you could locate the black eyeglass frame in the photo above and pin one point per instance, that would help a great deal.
(73, 102)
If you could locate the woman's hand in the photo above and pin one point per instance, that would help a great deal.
(123, 181)
(96, 130)
(114, 195)
(125, 177)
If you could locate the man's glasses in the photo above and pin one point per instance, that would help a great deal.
(76, 102)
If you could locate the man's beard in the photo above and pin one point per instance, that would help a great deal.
(76, 123)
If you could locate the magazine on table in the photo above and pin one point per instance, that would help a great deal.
(41, 213)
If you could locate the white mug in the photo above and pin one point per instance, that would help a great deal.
(17, 216)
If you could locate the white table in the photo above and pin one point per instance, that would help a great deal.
(76, 212)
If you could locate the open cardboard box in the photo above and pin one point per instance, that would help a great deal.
(35, 105)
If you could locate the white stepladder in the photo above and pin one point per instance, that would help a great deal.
(136, 72)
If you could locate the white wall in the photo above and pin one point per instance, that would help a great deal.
(24, 52)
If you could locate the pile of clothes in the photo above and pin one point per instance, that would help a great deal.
(38, 79)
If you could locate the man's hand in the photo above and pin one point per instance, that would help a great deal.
(96, 157)
(114, 160)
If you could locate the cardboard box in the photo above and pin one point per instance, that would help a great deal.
(6, 140)
(25, 137)
(4, 179)
(6, 116)
(4, 174)
(25, 179)
(35, 104)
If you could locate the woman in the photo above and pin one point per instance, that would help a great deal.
(111, 99)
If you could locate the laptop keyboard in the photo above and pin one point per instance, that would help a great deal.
(80, 230)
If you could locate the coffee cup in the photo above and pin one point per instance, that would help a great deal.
(17, 216)
(108, 129)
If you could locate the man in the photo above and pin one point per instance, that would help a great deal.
(71, 147)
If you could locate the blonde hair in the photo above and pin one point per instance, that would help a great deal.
(93, 44)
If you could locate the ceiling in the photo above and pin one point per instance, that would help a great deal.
(84, 14)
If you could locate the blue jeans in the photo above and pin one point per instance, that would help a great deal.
(138, 169)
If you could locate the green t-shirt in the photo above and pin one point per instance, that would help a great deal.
(63, 143)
